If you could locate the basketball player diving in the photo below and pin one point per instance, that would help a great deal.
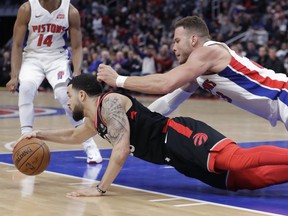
(192, 147)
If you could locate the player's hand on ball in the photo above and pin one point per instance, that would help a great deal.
(24, 136)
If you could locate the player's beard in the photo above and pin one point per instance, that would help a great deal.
(78, 113)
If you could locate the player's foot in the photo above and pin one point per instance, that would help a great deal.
(93, 155)
(92, 151)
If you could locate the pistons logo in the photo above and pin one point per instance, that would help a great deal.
(199, 139)
(60, 16)
(60, 75)
(208, 85)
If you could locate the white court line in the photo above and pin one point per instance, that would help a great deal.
(9, 145)
(10, 171)
(82, 183)
(191, 204)
(178, 205)
(166, 199)
(81, 157)
(164, 194)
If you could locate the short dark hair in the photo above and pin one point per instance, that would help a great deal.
(193, 24)
(87, 83)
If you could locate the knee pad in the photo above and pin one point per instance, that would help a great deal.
(27, 93)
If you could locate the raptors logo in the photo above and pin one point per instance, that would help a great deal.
(200, 138)
(133, 115)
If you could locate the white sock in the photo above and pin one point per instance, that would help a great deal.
(27, 92)
(26, 129)
(89, 143)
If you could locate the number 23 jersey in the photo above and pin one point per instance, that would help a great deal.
(47, 32)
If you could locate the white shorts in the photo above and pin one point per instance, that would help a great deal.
(35, 67)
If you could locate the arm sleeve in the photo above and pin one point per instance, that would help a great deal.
(169, 102)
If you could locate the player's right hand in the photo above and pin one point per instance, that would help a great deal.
(24, 136)
(12, 85)
(107, 74)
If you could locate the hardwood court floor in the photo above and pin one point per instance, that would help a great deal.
(45, 193)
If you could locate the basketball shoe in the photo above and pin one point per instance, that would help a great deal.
(92, 151)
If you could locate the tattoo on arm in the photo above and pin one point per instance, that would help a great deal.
(114, 115)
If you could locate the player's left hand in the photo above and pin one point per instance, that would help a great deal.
(87, 192)
(107, 74)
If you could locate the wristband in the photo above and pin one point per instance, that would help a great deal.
(99, 190)
(120, 80)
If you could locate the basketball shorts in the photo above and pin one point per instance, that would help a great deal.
(36, 67)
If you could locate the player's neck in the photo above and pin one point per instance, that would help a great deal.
(50, 5)
(90, 110)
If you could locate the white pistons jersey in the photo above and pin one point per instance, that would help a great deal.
(47, 32)
(251, 87)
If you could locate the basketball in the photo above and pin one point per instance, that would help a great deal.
(31, 156)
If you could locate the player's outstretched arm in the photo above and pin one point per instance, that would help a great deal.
(170, 102)
(114, 115)
(196, 65)
(66, 136)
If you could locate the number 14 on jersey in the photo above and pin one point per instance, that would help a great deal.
(45, 41)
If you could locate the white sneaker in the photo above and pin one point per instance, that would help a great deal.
(93, 155)
(92, 152)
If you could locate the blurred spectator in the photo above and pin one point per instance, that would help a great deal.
(286, 64)
(283, 51)
(262, 56)
(133, 64)
(251, 51)
(119, 61)
(237, 48)
(164, 59)
(5, 65)
(105, 57)
(274, 62)
(94, 63)
(97, 25)
(148, 63)
(226, 28)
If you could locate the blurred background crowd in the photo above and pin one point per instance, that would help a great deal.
(135, 36)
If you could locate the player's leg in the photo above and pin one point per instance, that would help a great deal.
(58, 77)
(30, 78)
(233, 157)
(258, 177)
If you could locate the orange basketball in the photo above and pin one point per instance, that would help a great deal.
(31, 156)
